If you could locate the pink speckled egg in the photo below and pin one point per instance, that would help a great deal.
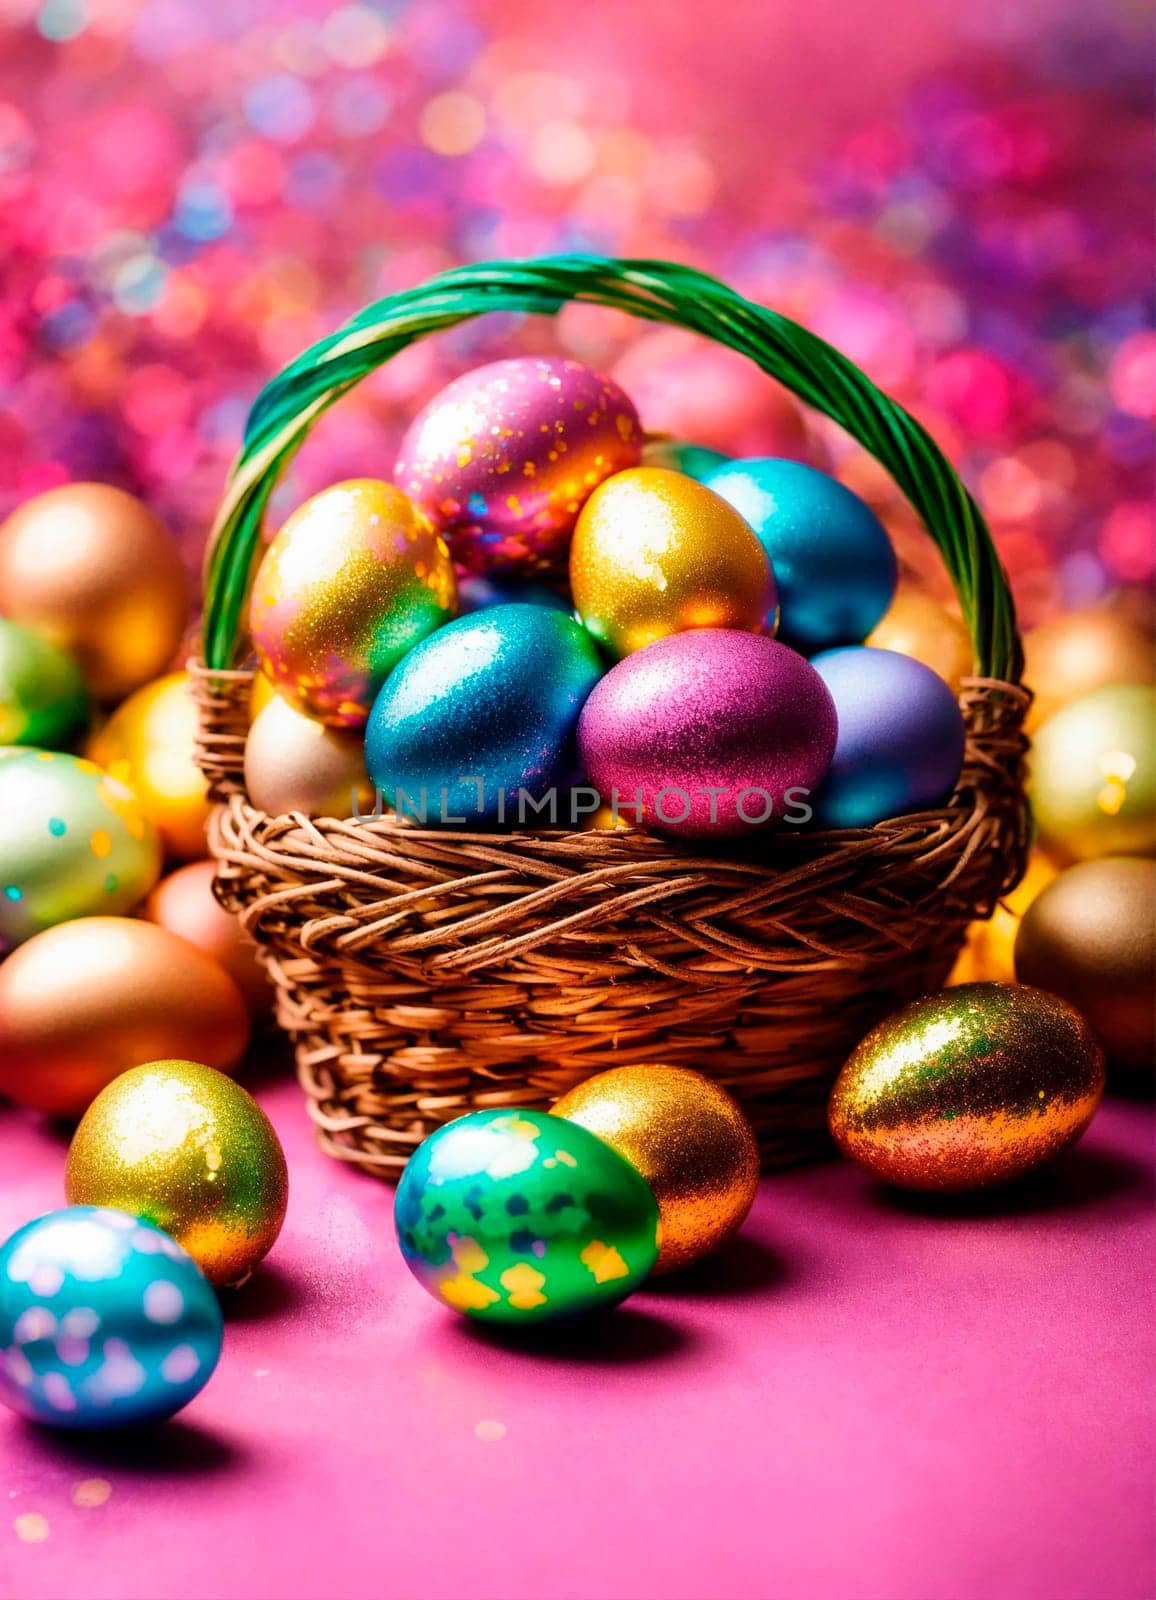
(714, 733)
(503, 459)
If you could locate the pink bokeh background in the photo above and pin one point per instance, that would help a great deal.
(959, 196)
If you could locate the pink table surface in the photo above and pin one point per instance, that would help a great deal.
(865, 1396)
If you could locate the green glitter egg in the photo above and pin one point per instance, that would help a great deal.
(520, 1217)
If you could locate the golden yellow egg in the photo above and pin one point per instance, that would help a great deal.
(148, 744)
(691, 1142)
(1082, 651)
(1093, 774)
(260, 695)
(191, 1151)
(93, 569)
(988, 956)
(1091, 938)
(293, 763)
(656, 553)
(968, 1087)
(353, 580)
(185, 904)
(84, 1001)
(918, 626)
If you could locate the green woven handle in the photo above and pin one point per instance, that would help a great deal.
(660, 291)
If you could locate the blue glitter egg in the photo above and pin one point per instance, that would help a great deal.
(481, 714)
(833, 562)
(900, 741)
(104, 1321)
(480, 592)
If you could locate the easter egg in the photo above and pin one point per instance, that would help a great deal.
(191, 1151)
(518, 1217)
(689, 1139)
(43, 700)
(185, 904)
(354, 579)
(1090, 937)
(478, 591)
(105, 1322)
(83, 1002)
(73, 842)
(1093, 774)
(294, 763)
(968, 1087)
(504, 457)
(1081, 651)
(832, 559)
(901, 737)
(656, 553)
(93, 570)
(148, 744)
(480, 713)
(916, 625)
(680, 455)
(710, 733)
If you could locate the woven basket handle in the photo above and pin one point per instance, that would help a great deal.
(659, 291)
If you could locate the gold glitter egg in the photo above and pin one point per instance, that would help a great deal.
(656, 553)
(689, 1139)
(916, 625)
(988, 954)
(1093, 774)
(148, 744)
(293, 763)
(191, 1151)
(92, 569)
(1081, 651)
(968, 1087)
(1091, 938)
(352, 581)
(82, 1002)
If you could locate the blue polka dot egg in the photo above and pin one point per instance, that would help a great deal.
(104, 1321)
(519, 1217)
(74, 842)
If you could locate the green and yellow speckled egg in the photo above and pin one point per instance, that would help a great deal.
(73, 843)
(520, 1217)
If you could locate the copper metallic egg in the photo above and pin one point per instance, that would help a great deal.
(185, 904)
(83, 1002)
(968, 1087)
(92, 569)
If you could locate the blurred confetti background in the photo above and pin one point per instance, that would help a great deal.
(959, 197)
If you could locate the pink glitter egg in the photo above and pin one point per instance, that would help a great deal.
(713, 733)
(503, 459)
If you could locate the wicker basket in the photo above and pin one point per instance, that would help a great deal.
(422, 973)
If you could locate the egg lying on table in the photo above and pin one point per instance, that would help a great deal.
(971, 1086)
(709, 733)
(520, 1217)
(43, 700)
(105, 1322)
(74, 842)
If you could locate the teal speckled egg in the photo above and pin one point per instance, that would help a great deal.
(104, 1321)
(520, 1217)
(74, 842)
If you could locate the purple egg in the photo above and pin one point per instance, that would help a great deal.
(901, 737)
(503, 459)
(713, 733)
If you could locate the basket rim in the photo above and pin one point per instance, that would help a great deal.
(657, 291)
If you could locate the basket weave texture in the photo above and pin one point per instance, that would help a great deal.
(426, 972)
